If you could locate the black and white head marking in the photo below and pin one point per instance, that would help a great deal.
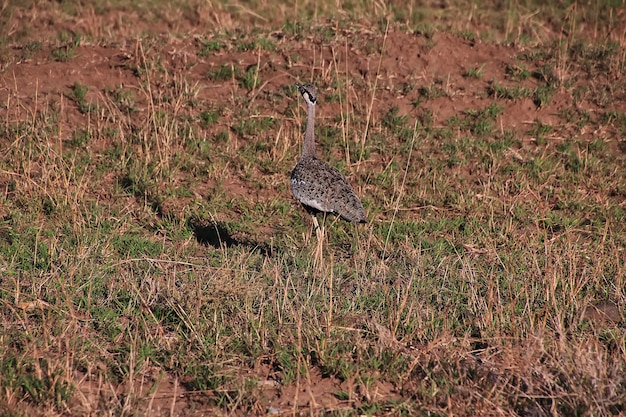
(308, 92)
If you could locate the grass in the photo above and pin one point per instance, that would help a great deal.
(153, 261)
(475, 72)
(511, 93)
(78, 93)
(68, 42)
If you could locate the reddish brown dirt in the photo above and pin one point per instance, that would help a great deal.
(36, 80)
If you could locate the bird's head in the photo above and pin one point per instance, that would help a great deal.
(308, 92)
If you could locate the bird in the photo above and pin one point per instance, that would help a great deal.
(317, 185)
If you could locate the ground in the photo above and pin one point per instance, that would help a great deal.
(154, 262)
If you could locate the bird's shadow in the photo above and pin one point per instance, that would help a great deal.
(212, 234)
(216, 234)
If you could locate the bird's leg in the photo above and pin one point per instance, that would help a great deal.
(319, 233)
(307, 236)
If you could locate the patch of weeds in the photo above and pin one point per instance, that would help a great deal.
(424, 29)
(326, 33)
(36, 380)
(132, 245)
(342, 395)
(480, 122)
(397, 124)
(378, 140)
(27, 249)
(48, 206)
(225, 72)
(337, 361)
(542, 95)
(616, 119)
(597, 146)
(106, 320)
(78, 93)
(355, 157)
(406, 88)
(492, 111)
(572, 160)
(581, 92)
(293, 28)
(124, 99)
(604, 96)
(476, 72)
(250, 79)
(67, 51)
(31, 48)
(256, 152)
(557, 221)
(135, 186)
(208, 47)
(245, 46)
(332, 98)
(208, 118)
(429, 92)
(80, 138)
(454, 122)
(262, 43)
(508, 93)
(288, 364)
(546, 74)
(425, 119)
(370, 409)
(467, 35)
(405, 229)
(142, 187)
(251, 126)
(266, 44)
(517, 72)
(539, 131)
(580, 118)
(327, 136)
(594, 56)
(201, 147)
(392, 120)
(535, 55)
(221, 137)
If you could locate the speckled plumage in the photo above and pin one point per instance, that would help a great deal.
(316, 184)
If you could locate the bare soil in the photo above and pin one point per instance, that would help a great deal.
(409, 62)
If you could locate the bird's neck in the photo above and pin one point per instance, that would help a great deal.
(309, 137)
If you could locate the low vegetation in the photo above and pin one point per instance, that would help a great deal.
(154, 262)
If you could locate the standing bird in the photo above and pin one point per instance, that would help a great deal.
(317, 185)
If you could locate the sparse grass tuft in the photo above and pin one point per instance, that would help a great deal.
(476, 72)
(79, 95)
(250, 79)
(498, 91)
(67, 49)
(539, 132)
(542, 95)
(225, 72)
(208, 118)
(518, 72)
(207, 48)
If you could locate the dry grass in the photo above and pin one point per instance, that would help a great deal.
(153, 261)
